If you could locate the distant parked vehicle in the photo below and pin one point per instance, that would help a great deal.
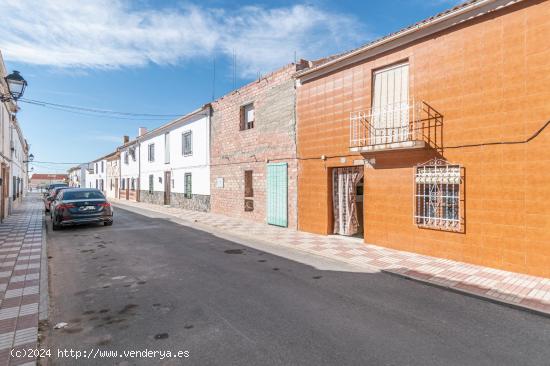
(50, 197)
(52, 186)
(81, 206)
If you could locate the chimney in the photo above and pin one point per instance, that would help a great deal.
(126, 139)
(142, 131)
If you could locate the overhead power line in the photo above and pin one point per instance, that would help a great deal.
(96, 112)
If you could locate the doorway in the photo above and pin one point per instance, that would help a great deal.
(277, 194)
(167, 186)
(347, 196)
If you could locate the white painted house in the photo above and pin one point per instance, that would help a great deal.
(175, 162)
(129, 169)
(98, 176)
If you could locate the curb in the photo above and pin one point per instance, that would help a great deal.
(43, 306)
(240, 238)
(493, 300)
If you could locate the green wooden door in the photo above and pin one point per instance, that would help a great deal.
(277, 194)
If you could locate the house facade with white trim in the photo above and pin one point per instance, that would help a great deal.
(174, 162)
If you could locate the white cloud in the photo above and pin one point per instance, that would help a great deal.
(110, 33)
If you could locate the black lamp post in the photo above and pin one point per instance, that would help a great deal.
(16, 86)
(31, 158)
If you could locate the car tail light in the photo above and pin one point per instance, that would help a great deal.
(104, 204)
(64, 206)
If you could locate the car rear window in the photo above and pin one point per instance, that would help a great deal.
(82, 195)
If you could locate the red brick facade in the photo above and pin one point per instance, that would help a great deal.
(272, 139)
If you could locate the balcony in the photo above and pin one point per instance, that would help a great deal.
(406, 125)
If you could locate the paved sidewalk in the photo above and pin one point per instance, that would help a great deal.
(21, 237)
(512, 288)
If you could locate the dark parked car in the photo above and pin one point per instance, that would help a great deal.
(50, 197)
(52, 186)
(81, 206)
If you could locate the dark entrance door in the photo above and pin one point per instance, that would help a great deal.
(167, 186)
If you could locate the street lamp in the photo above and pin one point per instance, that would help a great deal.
(16, 86)
(30, 159)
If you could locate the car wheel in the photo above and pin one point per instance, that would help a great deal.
(54, 225)
(108, 223)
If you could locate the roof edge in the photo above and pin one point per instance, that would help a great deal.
(416, 31)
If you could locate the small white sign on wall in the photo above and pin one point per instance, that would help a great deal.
(219, 182)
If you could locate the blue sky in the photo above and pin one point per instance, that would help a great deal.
(156, 57)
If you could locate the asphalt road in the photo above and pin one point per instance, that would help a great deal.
(150, 284)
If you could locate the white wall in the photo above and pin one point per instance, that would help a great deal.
(18, 168)
(130, 170)
(197, 164)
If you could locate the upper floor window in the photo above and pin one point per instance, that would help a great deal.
(132, 152)
(247, 117)
(151, 152)
(438, 195)
(102, 166)
(167, 148)
(187, 143)
(126, 158)
(390, 104)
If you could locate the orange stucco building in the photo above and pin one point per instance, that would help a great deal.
(442, 128)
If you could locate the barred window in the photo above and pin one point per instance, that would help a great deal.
(188, 193)
(187, 143)
(151, 188)
(438, 195)
(151, 152)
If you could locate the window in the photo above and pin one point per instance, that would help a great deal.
(133, 184)
(122, 185)
(126, 161)
(132, 152)
(248, 191)
(167, 148)
(151, 152)
(390, 105)
(151, 178)
(188, 186)
(247, 117)
(187, 143)
(102, 167)
(438, 192)
(96, 170)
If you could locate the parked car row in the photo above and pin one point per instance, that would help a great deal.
(73, 206)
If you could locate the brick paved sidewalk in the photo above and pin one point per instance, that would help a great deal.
(21, 237)
(517, 289)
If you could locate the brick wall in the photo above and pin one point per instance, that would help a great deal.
(490, 79)
(272, 139)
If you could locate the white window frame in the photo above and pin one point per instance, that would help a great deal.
(151, 152)
(167, 148)
(246, 124)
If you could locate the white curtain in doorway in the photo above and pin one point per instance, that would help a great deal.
(344, 183)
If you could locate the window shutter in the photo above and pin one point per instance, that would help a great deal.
(241, 118)
(248, 189)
